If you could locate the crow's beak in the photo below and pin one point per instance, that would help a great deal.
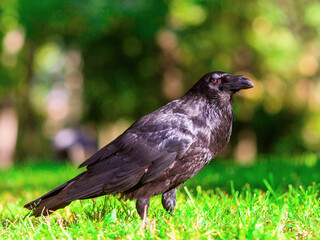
(238, 82)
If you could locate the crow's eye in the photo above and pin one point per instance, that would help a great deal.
(215, 80)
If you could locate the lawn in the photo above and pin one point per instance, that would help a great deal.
(277, 197)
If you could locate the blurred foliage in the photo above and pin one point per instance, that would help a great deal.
(128, 58)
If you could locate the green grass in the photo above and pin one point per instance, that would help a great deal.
(275, 198)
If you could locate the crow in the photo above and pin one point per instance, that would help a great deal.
(158, 152)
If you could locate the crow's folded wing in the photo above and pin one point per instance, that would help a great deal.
(139, 155)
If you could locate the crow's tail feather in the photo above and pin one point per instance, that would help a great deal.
(51, 201)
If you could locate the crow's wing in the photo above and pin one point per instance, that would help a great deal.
(162, 129)
(141, 154)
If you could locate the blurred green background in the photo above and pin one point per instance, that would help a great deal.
(96, 66)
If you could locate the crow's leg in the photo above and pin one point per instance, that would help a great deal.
(142, 206)
(169, 199)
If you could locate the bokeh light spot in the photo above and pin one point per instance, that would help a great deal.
(308, 65)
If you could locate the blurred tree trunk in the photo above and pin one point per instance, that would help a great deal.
(8, 134)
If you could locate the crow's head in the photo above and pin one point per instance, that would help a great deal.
(226, 82)
(221, 84)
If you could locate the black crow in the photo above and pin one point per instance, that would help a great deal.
(159, 152)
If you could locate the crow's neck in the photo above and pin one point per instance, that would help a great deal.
(209, 108)
(219, 117)
(217, 114)
(220, 113)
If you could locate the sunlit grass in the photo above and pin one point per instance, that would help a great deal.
(275, 198)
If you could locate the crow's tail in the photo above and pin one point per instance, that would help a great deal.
(52, 200)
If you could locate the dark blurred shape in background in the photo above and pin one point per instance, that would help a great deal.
(103, 64)
(74, 144)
